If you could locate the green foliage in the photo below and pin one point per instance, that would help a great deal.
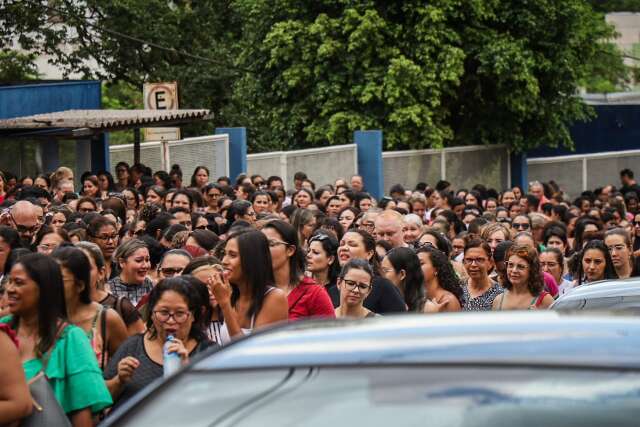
(16, 67)
(302, 74)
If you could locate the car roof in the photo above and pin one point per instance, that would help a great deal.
(605, 288)
(491, 338)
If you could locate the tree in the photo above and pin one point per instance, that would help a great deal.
(302, 74)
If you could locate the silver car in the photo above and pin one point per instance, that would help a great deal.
(613, 295)
(483, 370)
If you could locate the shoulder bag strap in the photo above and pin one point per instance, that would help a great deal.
(103, 334)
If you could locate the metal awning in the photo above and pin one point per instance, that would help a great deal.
(85, 123)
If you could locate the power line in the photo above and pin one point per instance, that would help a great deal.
(135, 39)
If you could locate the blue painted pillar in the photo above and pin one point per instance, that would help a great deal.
(100, 153)
(519, 172)
(237, 150)
(369, 148)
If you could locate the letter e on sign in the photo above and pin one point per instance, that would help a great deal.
(161, 96)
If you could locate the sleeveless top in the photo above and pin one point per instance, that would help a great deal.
(224, 331)
(535, 301)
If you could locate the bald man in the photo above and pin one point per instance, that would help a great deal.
(389, 227)
(23, 217)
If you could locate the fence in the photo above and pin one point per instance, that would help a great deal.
(462, 166)
(322, 165)
(211, 151)
(577, 173)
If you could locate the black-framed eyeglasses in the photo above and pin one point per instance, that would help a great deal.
(105, 238)
(23, 229)
(178, 316)
(352, 285)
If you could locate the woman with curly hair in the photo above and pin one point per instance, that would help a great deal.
(443, 290)
(524, 288)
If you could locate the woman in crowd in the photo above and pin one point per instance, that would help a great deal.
(261, 201)
(347, 216)
(306, 298)
(552, 262)
(155, 195)
(213, 193)
(401, 267)
(443, 290)
(106, 183)
(411, 228)
(524, 289)
(48, 343)
(594, 263)
(91, 187)
(303, 198)
(203, 269)
(132, 199)
(59, 216)
(120, 305)
(384, 296)
(200, 177)
(494, 234)
(86, 205)
(48, 239)
(174, 309)
(479, 291)
(354, 284)
(134, 262)
(104, 233)
(255, 301)
(104, 327)
(322, 259)
(304, 222)
(618, 242)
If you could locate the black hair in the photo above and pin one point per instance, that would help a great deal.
(609, 269)
(52, 309)
(357, 264)
(578, 231)
(195, 172)
(237, 208)
(205, 238)
(447, 277)
(11, 237)
(442, 242)
(187, 193)
(111, 182)
(157, 225)
(156, 250)
(330, 245)
(136, 195)
(201, 293)
(94, 226)
(626, 172)
(181, 286)
(164, 177)
(370, 246)
(77, 262)
(413, 283)
(332, 224)
(256, 265)
(290, 236)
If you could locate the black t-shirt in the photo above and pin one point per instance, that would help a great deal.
(145, 374)
(384, 297)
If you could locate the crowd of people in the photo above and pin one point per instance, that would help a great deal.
(95, 281)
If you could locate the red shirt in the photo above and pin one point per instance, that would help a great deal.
(309, 299)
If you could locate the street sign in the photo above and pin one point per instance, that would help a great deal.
(161, 96)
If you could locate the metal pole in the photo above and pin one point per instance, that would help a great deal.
(136, 145)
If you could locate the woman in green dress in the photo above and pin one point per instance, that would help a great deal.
(36, 301)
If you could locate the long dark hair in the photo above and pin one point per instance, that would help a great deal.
(413, 283)
(330, 246)
(447, 277)
(45, 272)
(289, 235)
(609, 269)
(255, 260)
(77, 262)
(370, 246)
(195, 172)
(11, 238)
(185, 288)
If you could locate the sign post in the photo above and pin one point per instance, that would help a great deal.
(161, 96)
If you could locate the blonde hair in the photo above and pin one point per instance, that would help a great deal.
(63, 173)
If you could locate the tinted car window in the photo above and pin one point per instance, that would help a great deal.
(396, 396)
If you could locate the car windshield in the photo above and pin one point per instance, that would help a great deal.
(395, 396)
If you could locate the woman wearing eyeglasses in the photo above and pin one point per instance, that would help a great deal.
(104, 233)
(306, 298)
(479, 291)
(175, 311)
(355, 284)
(618, 242)
(524, 288)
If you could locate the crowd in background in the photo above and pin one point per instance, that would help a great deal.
(95, 279)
